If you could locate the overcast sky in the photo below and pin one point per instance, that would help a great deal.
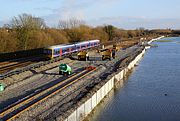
(127, 14)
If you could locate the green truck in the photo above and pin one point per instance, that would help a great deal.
(64, 69)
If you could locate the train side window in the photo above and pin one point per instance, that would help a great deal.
(82, 46)
(89, 44)
(78, 47)
(56, 52)
(73, 48)
(65, 50)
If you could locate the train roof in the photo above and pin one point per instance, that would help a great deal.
(94, 40)
(60, 46)
(70, 45)
(87, 41)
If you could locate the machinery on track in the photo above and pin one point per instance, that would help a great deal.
(83, 55)
(106, 54)
(64, 69)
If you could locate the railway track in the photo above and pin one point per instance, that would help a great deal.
(2, 64)
(17, 108)
(10, 65)
(14, 66)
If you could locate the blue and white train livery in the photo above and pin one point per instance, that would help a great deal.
(60, 50)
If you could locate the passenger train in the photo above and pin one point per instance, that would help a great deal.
(63, 49)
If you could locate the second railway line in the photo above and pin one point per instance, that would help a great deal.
(18, 107)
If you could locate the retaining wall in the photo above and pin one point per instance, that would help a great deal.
(155, 39)
(83, 110)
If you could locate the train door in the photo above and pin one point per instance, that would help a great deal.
(61, 52)
(92, 44)
(80, 47)
(89, 45)
(70, 49)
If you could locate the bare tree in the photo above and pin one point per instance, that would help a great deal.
(23, 24)
(72, 28)
(28, 21)
(70, 23)
(110, 30)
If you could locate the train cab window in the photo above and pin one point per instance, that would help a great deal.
(57, 52)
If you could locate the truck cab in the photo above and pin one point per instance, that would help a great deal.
(64, 69)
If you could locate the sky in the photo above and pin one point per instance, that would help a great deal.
(126, 14)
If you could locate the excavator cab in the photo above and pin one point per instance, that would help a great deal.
(106, 54)
(83, 55)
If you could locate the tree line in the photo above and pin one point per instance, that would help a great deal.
(26, 32)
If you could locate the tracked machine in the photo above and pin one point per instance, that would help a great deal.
(64, 69)
(83, 55)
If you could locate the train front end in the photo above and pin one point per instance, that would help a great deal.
(48, 53)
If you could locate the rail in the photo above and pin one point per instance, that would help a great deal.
(24, 104)
(31, 66)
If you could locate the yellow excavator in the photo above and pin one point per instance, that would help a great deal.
(106, 54)
(116, 47)
(83, 55)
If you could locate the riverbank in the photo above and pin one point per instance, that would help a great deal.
(151, 92)
(96, 95)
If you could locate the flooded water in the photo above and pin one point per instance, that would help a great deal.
(151, 93)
